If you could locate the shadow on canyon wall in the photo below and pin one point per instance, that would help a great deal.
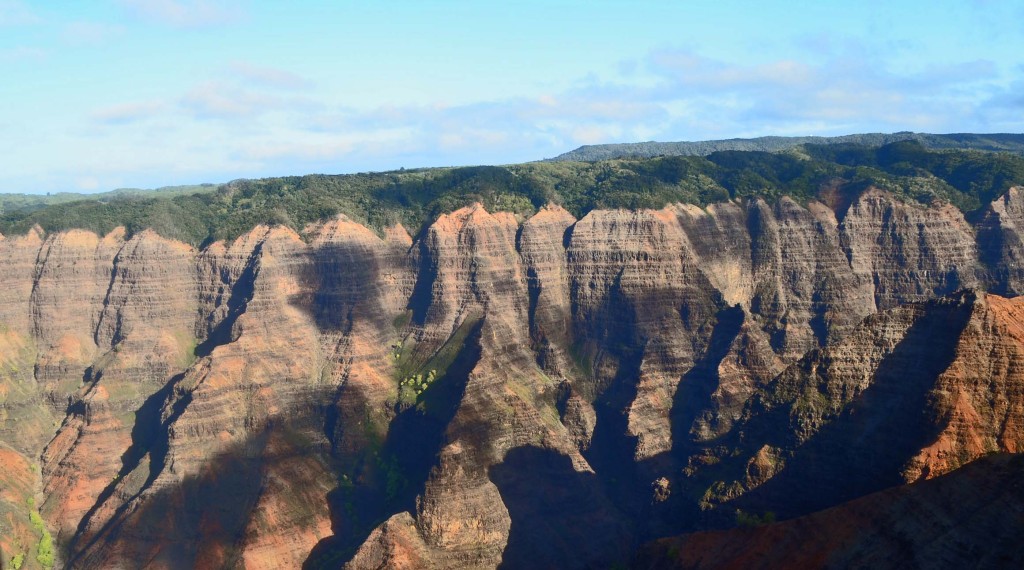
(560, 517)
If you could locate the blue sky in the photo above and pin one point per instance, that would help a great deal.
(145, 93)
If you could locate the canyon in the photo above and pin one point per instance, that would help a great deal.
(967, 518)
(499, 390)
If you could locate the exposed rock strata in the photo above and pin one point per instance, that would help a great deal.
(911, 393)
(967, 519)
(909, 251)
(1001, 242)
(254, 402)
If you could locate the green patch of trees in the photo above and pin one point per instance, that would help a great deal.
(751, 520)
(44, 550)
(967, 179)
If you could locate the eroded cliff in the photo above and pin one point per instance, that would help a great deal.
(967, 519)
(548, 392)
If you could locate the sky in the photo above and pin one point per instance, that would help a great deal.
(107, 94)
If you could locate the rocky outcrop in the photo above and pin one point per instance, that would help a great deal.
(910, 252)
(233, 437)
(475, 335)
(19, 537)
(643, 312)
(25, 418)
(141, 319)
(343, 396)
(968, 518)
(911, 393)
(1001, 242)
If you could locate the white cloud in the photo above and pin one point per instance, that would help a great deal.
(87, 183)
(185, 13)
(231, 99)
(125, 113)
(254, 120)
(22, 53)
(86, 33)
(220, 100)
(17, 13)
(268, 76)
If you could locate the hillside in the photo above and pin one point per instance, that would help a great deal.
(833, 173)
(12, 202)
(544, 365)
(1002, 142)
(970, 518)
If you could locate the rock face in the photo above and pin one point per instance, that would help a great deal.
(912, 393)
(910, 252)
(1000, 242)
(546, 392)
(967, 519)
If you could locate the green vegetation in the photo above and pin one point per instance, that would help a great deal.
(750, 520)
(412, 387)
(36, 520)
(413, 367)
(965, 178)
(44, 550)
(968, 179)
(187, 348)
(18, 560)
(12, 202)
(445, 356)
(992, 142)
(391, 471)
(402, 320)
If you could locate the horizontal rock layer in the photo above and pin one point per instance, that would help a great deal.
(911, 393)
(272, 400)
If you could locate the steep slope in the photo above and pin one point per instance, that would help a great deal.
(488, 393)
(244, 426)
(141, 314)
(477, 284)
(1001, 243)
(650, 333)
(911, 393)
(970, 518)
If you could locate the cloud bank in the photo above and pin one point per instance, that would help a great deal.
(153, 92)
(262, 120)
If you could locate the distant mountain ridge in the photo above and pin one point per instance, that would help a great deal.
(29, 202)
(968, 180)
(1004, 142)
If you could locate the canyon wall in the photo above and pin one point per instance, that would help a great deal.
(548, 391)
(923, 525)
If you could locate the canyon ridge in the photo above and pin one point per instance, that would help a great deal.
(811, 357)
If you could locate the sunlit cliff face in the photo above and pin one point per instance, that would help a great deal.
(497, 389)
